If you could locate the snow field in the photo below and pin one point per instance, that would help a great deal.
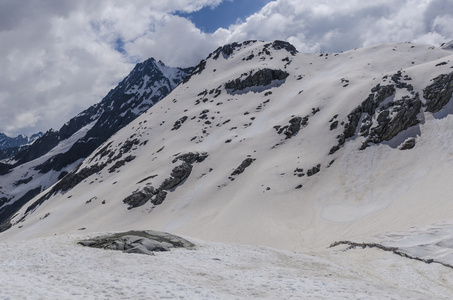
(57, 268)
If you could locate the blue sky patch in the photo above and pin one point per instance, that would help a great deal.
(228, 12)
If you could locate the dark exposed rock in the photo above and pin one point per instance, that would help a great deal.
(119, 163)
(5, 168)
(179, 123)
(263, 77)
(178, 175)
(5, 225)
(314, 110)
(294, 127)
(40, 147)
(191, 157)
(160, 197)
(395, 250)
(333, 125)
(245, 163)
(139, 198)
(299, 172)
(10, 152)
(408, 144)
(23, 181)
(226, 50)
(277, 45)
(383, 117)
(68, 182)
(405, 113)
(367, 109)
(141, 242)
(379, 94)
(147, 178)
(128, 144)
(398, 77)
(197, 70)
(3, 200)
(334, 149)
(7, 211)
(439, 93)
(62, 174)
(250, 57)
(295, 124)
(314, 170)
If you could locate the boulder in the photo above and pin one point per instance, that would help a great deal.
(141, 242)
(408, 144)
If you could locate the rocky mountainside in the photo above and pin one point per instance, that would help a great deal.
(265, 145)
(57, 152)
(11, 146)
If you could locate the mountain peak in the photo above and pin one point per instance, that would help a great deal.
(57, 152)
(228, 50)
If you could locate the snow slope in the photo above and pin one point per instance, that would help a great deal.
(262, 152)
(296, 193)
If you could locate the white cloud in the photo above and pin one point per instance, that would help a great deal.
(341, 25)
(60, 56)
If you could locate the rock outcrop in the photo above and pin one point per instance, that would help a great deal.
(439, 93)
(395, 117)
(379, 118)
(241, 168)
(295, 124)
(394, 250)
(177, 176)
(408, 144)
(141, 242)
(263, 77)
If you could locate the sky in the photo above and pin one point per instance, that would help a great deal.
(58, 57)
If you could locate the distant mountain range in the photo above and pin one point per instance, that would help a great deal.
(10, 146)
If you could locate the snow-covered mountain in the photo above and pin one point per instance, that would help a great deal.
(264, 145)
(55, 153)
(9, 146)
(20, 140)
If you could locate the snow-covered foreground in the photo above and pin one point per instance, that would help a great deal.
(58, 268)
